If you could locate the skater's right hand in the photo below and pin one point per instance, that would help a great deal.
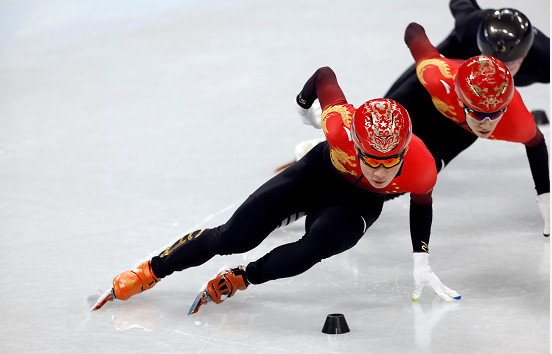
(423, 275)
(311, 116)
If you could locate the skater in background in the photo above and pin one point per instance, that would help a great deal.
(340, 185)
(506, 34)
(477, 97)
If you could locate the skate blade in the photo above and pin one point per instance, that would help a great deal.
(201, 299)
(109, 295)
(283, 167)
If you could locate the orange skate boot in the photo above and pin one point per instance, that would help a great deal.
(134, 281)
(225, 285)
(129, 283)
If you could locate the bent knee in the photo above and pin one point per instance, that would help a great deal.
(334, 238)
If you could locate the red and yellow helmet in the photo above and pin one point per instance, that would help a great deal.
(484, 84)
(381, 127)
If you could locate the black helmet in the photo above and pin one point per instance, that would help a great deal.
(505, 34)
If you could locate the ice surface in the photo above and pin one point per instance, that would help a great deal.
(126, 124)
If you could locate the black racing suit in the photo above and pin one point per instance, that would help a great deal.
(338, 214)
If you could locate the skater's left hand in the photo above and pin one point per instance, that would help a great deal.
(423, 275)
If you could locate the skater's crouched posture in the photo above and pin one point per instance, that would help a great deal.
(340, 185)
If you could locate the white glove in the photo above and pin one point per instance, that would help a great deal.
(311, 116)
(423, 275)
(543, 200)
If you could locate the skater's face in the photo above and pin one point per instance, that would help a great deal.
(379, 177)
(482, 129)
(482, 124)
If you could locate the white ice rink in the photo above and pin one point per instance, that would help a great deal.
(126, 124)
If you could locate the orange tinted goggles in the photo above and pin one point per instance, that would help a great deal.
(375, 162)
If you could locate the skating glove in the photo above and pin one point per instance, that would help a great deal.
(311, 116)
(543, 200)
(423, 275)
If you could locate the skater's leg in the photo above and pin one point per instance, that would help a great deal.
(292, 191)
(329, 232)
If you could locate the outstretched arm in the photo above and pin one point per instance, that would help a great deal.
(460, 8)
(418, 43)
(467, 18)
(421, 215)
(322, 85)
(537, 154)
